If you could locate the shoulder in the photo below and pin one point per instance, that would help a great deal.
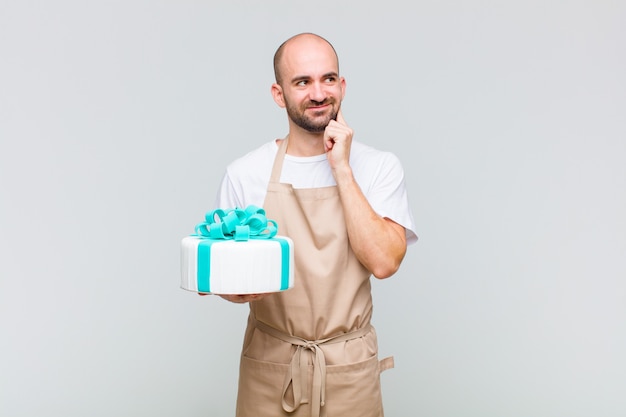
(252, 170)
(246, 178)
(259, 157)
(367, 160)
(366, 152)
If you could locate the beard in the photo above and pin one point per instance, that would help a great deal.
(315, 124)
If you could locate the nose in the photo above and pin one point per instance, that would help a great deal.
(317, 92)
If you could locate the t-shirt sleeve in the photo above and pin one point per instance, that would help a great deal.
(245, 181)
(227, 196)
(388, 196)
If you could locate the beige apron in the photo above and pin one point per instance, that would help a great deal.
(311, 351)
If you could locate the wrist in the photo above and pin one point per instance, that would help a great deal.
(342, 173)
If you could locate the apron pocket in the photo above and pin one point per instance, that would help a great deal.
(260, 389)
(354, 389)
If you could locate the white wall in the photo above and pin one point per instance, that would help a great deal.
(118, 118)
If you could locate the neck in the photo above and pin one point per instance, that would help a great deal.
(303, 143)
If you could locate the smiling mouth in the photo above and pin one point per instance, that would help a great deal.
(319, 107)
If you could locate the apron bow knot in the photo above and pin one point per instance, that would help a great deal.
(297, 372)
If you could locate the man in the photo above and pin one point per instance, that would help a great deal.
(311, 351)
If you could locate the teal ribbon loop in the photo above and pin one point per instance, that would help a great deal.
(238, 224)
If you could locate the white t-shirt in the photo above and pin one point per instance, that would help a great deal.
(379, 175)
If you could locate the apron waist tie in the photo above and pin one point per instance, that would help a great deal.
(297, 371)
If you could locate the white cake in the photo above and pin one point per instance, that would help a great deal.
(220, 266)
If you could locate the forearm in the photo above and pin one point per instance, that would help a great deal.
(378, 243)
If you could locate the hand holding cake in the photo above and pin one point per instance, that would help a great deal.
(242, 298)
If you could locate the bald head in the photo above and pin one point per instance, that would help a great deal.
(302, 40)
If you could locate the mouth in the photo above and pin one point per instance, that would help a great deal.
(319, 107)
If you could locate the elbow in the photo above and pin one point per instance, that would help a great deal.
(387, 269)
(384, 261)
(382, 273)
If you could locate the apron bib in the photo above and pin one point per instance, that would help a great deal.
(311, 351)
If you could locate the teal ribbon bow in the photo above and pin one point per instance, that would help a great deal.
(238, 224)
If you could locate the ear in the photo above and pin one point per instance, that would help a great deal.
(343, 87)
(277, 94)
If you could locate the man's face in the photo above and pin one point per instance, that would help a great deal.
(311, 87)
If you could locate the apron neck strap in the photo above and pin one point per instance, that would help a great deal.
(278, 161)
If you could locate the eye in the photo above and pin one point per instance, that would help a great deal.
(331, 79)
(301, 83)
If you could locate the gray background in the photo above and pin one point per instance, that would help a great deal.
(117, 120)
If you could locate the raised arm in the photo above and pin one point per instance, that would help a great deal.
(378, 243)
